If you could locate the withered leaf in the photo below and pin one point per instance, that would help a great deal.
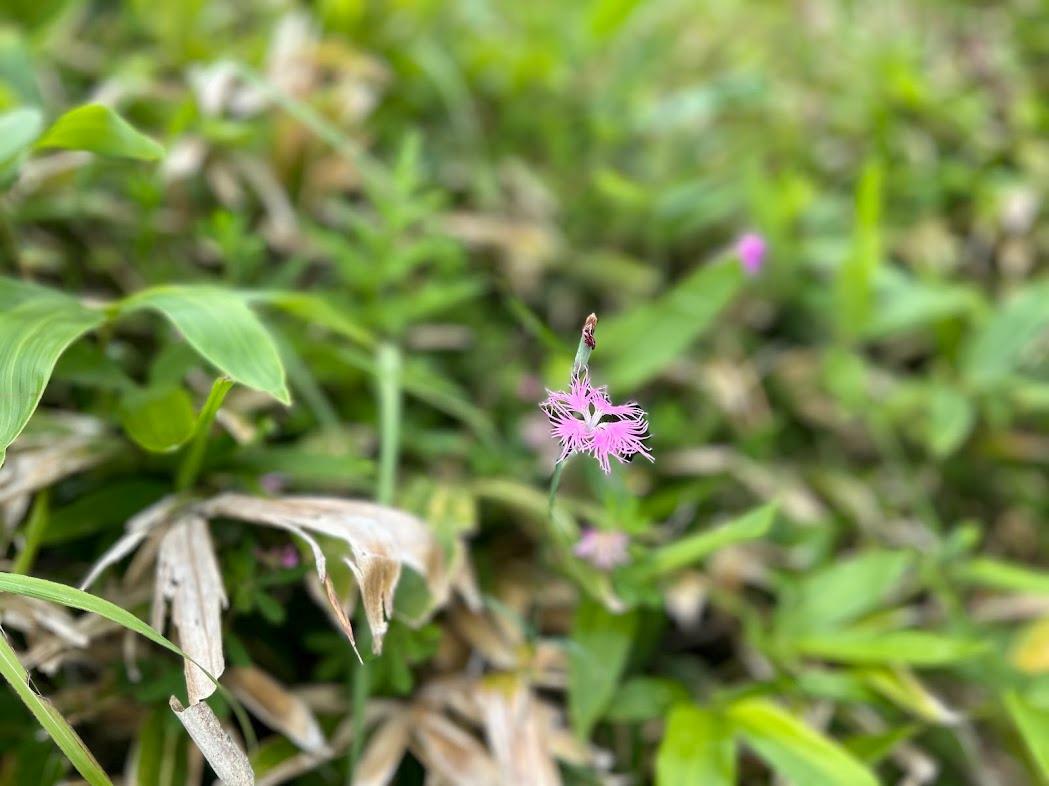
(227, 760)
(188, 576)
(277, 707)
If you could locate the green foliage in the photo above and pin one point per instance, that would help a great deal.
(366, 248)
(221, 327)
(98, 129)
(597, 655)
(794, 749)
(36, 325)
(697, 747)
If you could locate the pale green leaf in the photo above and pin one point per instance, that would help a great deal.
(597, 655)
(856, 275)
(842, 591)
(50, 719)
(1033, 723)
(1006, 576)
(636, 346)
(697, 748)
(36, 325)
(693, 548)
(18, 128)
(1000, 347)
(219, 325)
(794, 750)
(912, 647)
(158, 419)
(99, 129)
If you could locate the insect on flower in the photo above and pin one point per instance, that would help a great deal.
(585, 420)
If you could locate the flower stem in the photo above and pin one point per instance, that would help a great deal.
(190, 467)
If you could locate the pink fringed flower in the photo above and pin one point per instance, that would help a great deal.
(585, 420)
(604, 550)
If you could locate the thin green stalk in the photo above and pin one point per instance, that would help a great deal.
(190, 467)
(388, 377)
(388, 367)
(34, 533)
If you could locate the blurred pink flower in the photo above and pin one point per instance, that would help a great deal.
(586, 421)
(289, 556)
(751, 248)
(604, 550)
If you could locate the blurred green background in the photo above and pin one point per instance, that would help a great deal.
(447, 189)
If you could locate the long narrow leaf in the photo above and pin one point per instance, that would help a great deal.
(49, 718)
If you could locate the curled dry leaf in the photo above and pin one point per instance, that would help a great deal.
(135, 531)
(449, 751)
(382, 540)
(277, 707)
(517, 732)
(227, 760)
(188, 576)
(383, 752)
(36, 461)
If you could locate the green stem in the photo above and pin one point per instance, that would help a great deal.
(388, 371)
(190, 467)
(388, 388)
(35, 529)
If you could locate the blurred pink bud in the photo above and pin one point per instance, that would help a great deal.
(603, 550)
(751, 248)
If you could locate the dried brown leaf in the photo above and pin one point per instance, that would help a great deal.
(382, 540)
(227, 760)
(277, 707)
(383, 752)
(188, 576)
(449, 751)
(517, 732)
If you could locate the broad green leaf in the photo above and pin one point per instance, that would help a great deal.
(36, 325)
(950, 419)
(842, 591)
(158, 419)
(697, 748)
(793, 749)
(98, 129)
(1033, 724)
(18, 128)
(905, 303)
(634, 347)
(872, 748)
(913, 647)
(1000, 575)
(219, 325)
(597, 656)
(856, 275)
(644, 698)
(49, 718)
(902, 687)
(315, 310)
(999, 348)
(53, 592)
(693, 548)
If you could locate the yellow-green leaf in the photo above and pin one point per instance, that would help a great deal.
(219, 325)
(36, 326)
(697, 748)
(798, 752)
(98, 129)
